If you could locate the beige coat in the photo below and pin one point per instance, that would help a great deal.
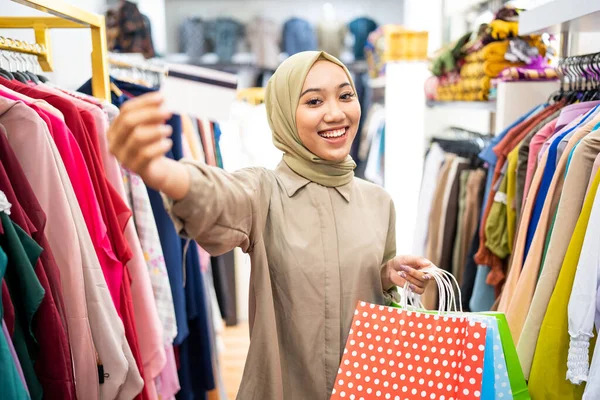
(315, 252)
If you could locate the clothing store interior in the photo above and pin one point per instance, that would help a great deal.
(275, 273)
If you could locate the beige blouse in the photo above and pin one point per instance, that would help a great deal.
(315, 252)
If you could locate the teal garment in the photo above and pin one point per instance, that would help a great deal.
(26, 293)
(483, 294)
(11, 385)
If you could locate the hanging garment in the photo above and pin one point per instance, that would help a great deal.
(549, 367)
(264, 36)
(40, 166)
(473, 201)
(433, 164)
(53, 358)
(509, 142)
(516, 261)
(594, 170)
(571, 200)
(483, 294)
(437, 216)
(521, 300)
(449, 231)
(12, 380)
(547, 179)
(534, 149)
(495, 226)
(457, 256)
(114, 359)
(511, 197)
(298, 36)
(582, 312)
(523, 294)
(360, 29)
(195, 373)
(26, 292)
(113, 211)
(153, 254)
(144, 308)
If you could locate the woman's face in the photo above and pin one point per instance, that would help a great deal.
(328, 112)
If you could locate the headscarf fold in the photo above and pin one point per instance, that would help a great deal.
(281, 99)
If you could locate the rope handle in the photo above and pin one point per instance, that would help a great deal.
(447, 296)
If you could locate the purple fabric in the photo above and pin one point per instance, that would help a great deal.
(14, 355)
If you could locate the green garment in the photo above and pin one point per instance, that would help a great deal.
(11, 385)
(26, 293)
(497, 222)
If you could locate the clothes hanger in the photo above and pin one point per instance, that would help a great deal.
(4, 203)
(27, 68)
(16, 71)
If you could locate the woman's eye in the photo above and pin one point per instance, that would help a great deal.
(313, 102)
(347, 96)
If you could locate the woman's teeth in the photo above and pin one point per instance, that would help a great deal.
(333, 134)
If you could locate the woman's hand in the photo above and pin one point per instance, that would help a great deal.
(139, 139)
(402, 269)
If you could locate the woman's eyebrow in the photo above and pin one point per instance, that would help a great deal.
(320, 90)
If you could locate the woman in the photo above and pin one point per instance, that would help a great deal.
(319, 239)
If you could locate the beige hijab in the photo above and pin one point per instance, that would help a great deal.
(281, 98)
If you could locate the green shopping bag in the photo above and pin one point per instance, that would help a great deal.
(518, 384)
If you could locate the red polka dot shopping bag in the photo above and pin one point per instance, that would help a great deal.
(402, 354)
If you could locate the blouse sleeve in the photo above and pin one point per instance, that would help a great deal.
(222, 210)
(582, 303)
(392, 294)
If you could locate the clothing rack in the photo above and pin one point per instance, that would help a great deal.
(66, 16)
(18, 46)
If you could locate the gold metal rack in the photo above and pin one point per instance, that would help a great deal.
(66, 16)
(19, 46)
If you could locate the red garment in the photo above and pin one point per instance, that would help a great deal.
(77, 170)
(114, 211)
(131, 330)
(34, 211)
(53, 360)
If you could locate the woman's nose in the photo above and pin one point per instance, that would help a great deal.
(334, 113)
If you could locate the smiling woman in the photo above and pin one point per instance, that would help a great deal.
(319, 239)
(328, 114)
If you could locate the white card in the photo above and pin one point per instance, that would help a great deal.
(199, 92)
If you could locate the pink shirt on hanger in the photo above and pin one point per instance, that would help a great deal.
(145, 311)
(534, 149)
(32, 148)
(113, 349)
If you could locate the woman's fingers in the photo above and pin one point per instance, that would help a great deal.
(147, 134)
(151, 152)
(410, 272)
(400, 278)
(144, 110)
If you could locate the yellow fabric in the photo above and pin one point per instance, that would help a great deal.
(192, 139)
(511, 193)
(494, 68)
(494, 51)
(549, 367)
(281, 98)
(500, 29)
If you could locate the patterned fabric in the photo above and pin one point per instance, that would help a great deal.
(192, 40)
(129, 31)
(149, 239)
